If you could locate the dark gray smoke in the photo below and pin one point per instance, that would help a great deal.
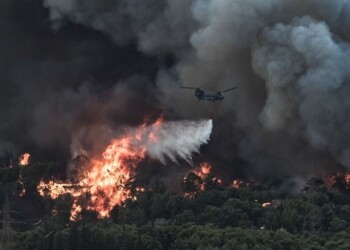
(78, 67)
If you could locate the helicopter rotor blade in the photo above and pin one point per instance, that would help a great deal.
(227, 90)
(184, 87)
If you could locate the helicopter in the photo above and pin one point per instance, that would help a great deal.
(202, 95)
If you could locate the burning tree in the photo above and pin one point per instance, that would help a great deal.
(199, 180)
(104, 180)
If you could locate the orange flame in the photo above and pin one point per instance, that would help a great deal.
(238, 183)
(342, 178)
(24, 159)
(202, 172)
(155, 127)
(266, 204)
(103, 182)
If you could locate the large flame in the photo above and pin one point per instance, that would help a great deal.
(101, 185)
(103, 182)
(203, 171)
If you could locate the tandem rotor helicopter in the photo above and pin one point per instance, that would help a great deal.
(202, 95)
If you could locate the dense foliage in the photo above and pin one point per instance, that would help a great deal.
(217, 218)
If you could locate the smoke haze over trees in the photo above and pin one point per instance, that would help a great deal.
(214, 217)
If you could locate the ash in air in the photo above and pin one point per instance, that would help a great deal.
(76, 73)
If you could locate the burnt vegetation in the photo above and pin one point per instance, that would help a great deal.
(212, 217)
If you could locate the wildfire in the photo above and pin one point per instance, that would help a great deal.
(24, 159)
(202, 172)
(103, 183)
(155, 128)
(339, 180)
(266, 204)
(22, 190)
(237, 183)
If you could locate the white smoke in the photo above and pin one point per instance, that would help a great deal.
(179, 139)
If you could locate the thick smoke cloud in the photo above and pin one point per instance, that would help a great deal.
(158, 26)
(289, 61)
(55, 84)
(306, 72)
(84, 67)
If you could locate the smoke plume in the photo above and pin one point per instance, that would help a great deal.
(76, 72)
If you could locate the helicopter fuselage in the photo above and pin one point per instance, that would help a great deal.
(201, 95)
